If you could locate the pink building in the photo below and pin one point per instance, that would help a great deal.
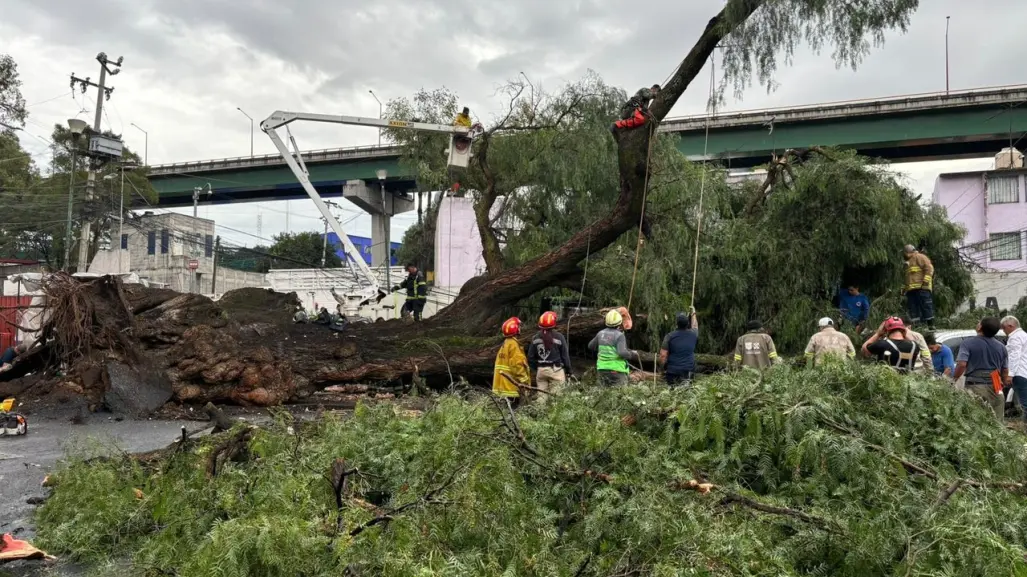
(992, 206)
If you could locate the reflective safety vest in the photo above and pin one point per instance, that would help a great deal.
(609, 340)
(919, 273)
(511, 370)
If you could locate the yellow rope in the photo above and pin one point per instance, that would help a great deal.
(702, 188)
(641, 218)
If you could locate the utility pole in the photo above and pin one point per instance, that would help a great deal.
(214, 275)
(324, 248)
(103, 92)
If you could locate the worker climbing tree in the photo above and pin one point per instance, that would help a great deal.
(636, 110)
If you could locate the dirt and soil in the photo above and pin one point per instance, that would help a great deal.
(133, 348)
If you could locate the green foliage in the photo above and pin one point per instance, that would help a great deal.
(12, 103)
(418, 243)
(424, 152)
(34, 221)
(466, 497)
(301, 250)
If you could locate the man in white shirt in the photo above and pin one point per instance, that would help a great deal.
(1016, 348)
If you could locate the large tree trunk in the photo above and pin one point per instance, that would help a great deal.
(479, 310)
(490, 250)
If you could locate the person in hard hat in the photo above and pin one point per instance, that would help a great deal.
(755, 348)
(919, 287)
(512, 372)
(463, 118)
(636, 109)
(828, 342)
(677, 353)
(892, 345)
(549, 356)
(613, 351)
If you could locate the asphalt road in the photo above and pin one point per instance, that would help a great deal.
(25, 460)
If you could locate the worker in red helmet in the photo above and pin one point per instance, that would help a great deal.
(893, 345)
(512, 372)
(549, 356)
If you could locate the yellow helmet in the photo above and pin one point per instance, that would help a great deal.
(614, 318)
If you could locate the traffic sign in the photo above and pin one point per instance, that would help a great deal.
(194, 264)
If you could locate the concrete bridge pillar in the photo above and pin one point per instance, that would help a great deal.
(381, 207)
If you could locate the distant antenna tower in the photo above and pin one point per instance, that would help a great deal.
(260, 224)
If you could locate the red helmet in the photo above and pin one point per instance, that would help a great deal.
(893, 324)
(512, 327)
(547, 320)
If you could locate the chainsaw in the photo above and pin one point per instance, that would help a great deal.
(13, 424)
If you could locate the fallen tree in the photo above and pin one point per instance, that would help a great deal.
(759, 31)
(841, 470)
(134, 348)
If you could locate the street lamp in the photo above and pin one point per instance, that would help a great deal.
(77, 127)
(251, 128)
(196, 196)
(375, 96)
(382, 175)
(146, 144)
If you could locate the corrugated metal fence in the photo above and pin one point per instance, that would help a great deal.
(11, 309)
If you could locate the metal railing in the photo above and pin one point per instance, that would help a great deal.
(309, 156)
(995, 94)
(1000, 94)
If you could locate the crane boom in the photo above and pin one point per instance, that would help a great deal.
(281, 118)
(304, 179)
(294, 159)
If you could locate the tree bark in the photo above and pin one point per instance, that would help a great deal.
(490, 249)
(479, 310)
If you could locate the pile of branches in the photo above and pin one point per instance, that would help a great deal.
(840, 470)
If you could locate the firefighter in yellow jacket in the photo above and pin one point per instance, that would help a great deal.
(512, 371)
(919, 287)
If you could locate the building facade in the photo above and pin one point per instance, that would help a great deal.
(172, 250)
(992, 206)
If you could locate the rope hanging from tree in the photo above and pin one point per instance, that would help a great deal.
(641, 218)
(702, 182)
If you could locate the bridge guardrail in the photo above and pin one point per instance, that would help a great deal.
(996, 94)
(309, 156)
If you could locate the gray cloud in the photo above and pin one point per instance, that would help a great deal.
(190, 63)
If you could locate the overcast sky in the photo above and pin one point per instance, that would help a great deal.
(190, 63)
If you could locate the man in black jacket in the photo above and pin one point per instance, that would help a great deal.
(417, 292)
(549, 356)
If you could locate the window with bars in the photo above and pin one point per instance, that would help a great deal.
(208, 246)
(124, 241)
(1003, 189)
(1005, 246)
(151, 242)
(165, 241)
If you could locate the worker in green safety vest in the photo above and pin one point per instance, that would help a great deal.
(612, 348)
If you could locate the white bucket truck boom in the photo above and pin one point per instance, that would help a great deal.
(367, 288)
